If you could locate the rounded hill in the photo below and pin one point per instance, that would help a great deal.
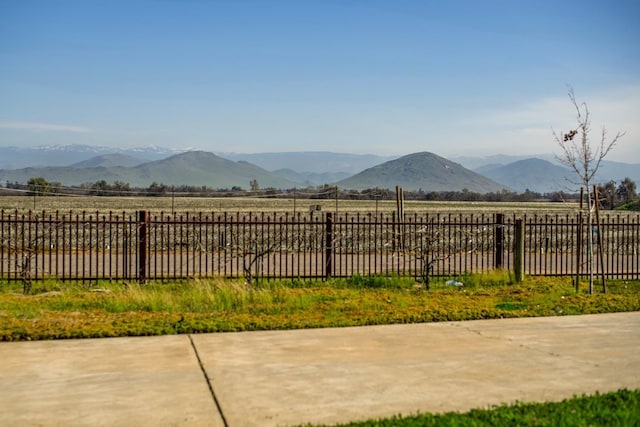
(426, 171)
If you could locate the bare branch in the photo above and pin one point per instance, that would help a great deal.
(584, 159)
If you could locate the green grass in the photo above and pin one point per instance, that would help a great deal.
(56, 310)
(631, 206)
(621, 408)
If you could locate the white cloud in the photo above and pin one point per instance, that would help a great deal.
(619, 106)
(34, 126)
(527, 128)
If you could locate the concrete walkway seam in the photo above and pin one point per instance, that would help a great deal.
(208, 380)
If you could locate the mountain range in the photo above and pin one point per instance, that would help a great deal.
(533, 174)
(13, 157)
(543, 176)
(427, 171)
(194, 168)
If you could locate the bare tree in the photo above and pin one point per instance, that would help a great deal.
(584, 157)
(438, 241)
(253, 256)
(21, 242)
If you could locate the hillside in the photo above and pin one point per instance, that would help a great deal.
(13, 157)
(534, 174)
(204, 168)
(474, 163)
(311, 162)
(109, 160)
(65, 175)
(198, 168)
(617, 171)
(426, 171)
(78, 164)
(543, 176)
(311, 178)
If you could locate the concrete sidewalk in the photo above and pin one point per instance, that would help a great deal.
(280, 378)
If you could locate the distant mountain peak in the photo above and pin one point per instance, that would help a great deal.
(423, 170)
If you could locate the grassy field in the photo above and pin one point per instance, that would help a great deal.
(253, 204)
(56, 310)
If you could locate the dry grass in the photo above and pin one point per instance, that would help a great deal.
(254, 204)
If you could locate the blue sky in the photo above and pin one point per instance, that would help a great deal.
(383, 77)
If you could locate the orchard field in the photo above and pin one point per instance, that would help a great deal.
(91, 237)
(169, 204)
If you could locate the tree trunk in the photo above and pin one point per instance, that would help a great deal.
(590, 238)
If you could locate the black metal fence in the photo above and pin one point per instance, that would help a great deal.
(95, 246)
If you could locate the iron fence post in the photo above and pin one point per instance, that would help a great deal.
(142, 246)
(518, 259)
(499, 241)
(328, 245)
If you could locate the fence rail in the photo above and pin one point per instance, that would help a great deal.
(97, 246)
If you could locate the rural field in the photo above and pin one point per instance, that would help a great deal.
(169, 204)
(59, 309)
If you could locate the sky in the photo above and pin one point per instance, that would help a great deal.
(453, 77)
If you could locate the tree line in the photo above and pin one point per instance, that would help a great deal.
(612, 194)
